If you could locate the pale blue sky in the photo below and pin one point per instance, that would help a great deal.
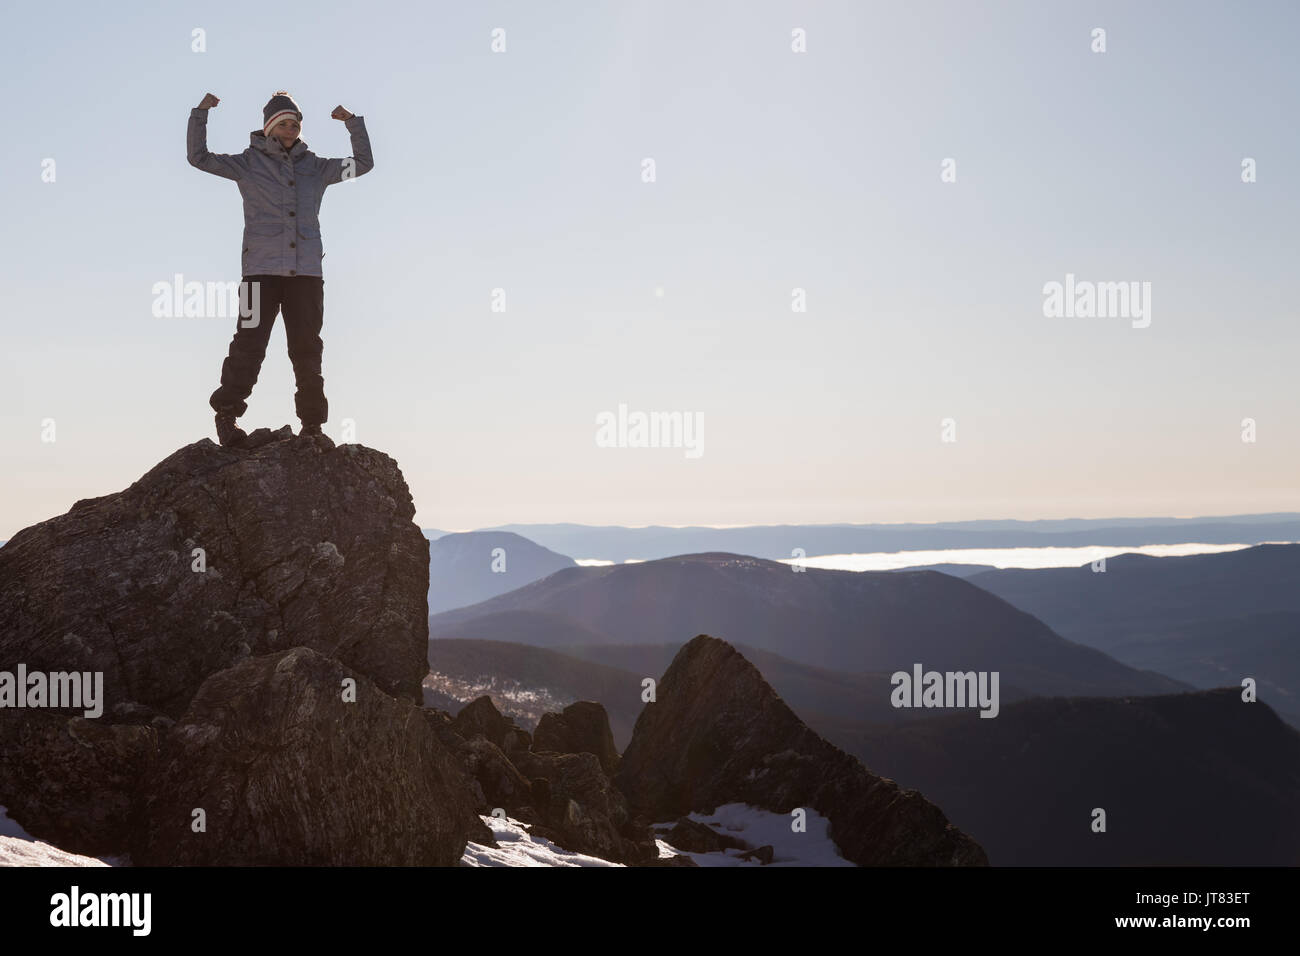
(775, 170)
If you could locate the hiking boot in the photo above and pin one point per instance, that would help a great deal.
(228, 433)
(309, 430)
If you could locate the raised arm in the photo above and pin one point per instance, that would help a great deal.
(361, 161)
(196, 143)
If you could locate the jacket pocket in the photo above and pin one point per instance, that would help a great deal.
(264, 244)
(310, 248)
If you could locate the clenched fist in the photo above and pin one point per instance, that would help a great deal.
(341, 114)
(208, 102)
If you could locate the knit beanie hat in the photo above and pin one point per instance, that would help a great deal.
(280, 106)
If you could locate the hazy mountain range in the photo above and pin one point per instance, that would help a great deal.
(847, 621)
(777, 542)
(1208, 619)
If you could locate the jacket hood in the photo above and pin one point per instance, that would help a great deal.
(269, 144)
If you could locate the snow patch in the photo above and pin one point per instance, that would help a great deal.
(753, 826)
(763, 828)
(517, 847)
(20, 848)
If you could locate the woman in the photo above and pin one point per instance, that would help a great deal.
(282, 183)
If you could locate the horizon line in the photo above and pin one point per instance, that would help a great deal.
(1276, 515)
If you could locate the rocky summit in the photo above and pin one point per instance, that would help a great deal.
(231, 598)
(218, 554)
(717, 733)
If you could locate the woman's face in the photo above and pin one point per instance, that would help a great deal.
(286, 131)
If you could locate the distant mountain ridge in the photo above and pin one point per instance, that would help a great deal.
(956, 570)
(852, 622)
(1206, 619)
(466, 568)
(777, 542)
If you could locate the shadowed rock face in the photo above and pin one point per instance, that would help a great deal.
(289, 773)
(695, 837)
(480, 717)
(74, 782)
(583, 727)
(717, 733)
(578, 808)
(306, 545)
(501, 782)
(566, 797)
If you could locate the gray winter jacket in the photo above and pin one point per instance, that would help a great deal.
(282, 193)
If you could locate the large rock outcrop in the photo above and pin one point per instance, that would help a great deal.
(289, 772)
(717, 733)
(222, 669)
(304, 545)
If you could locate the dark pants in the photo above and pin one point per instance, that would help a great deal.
(302, 299)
